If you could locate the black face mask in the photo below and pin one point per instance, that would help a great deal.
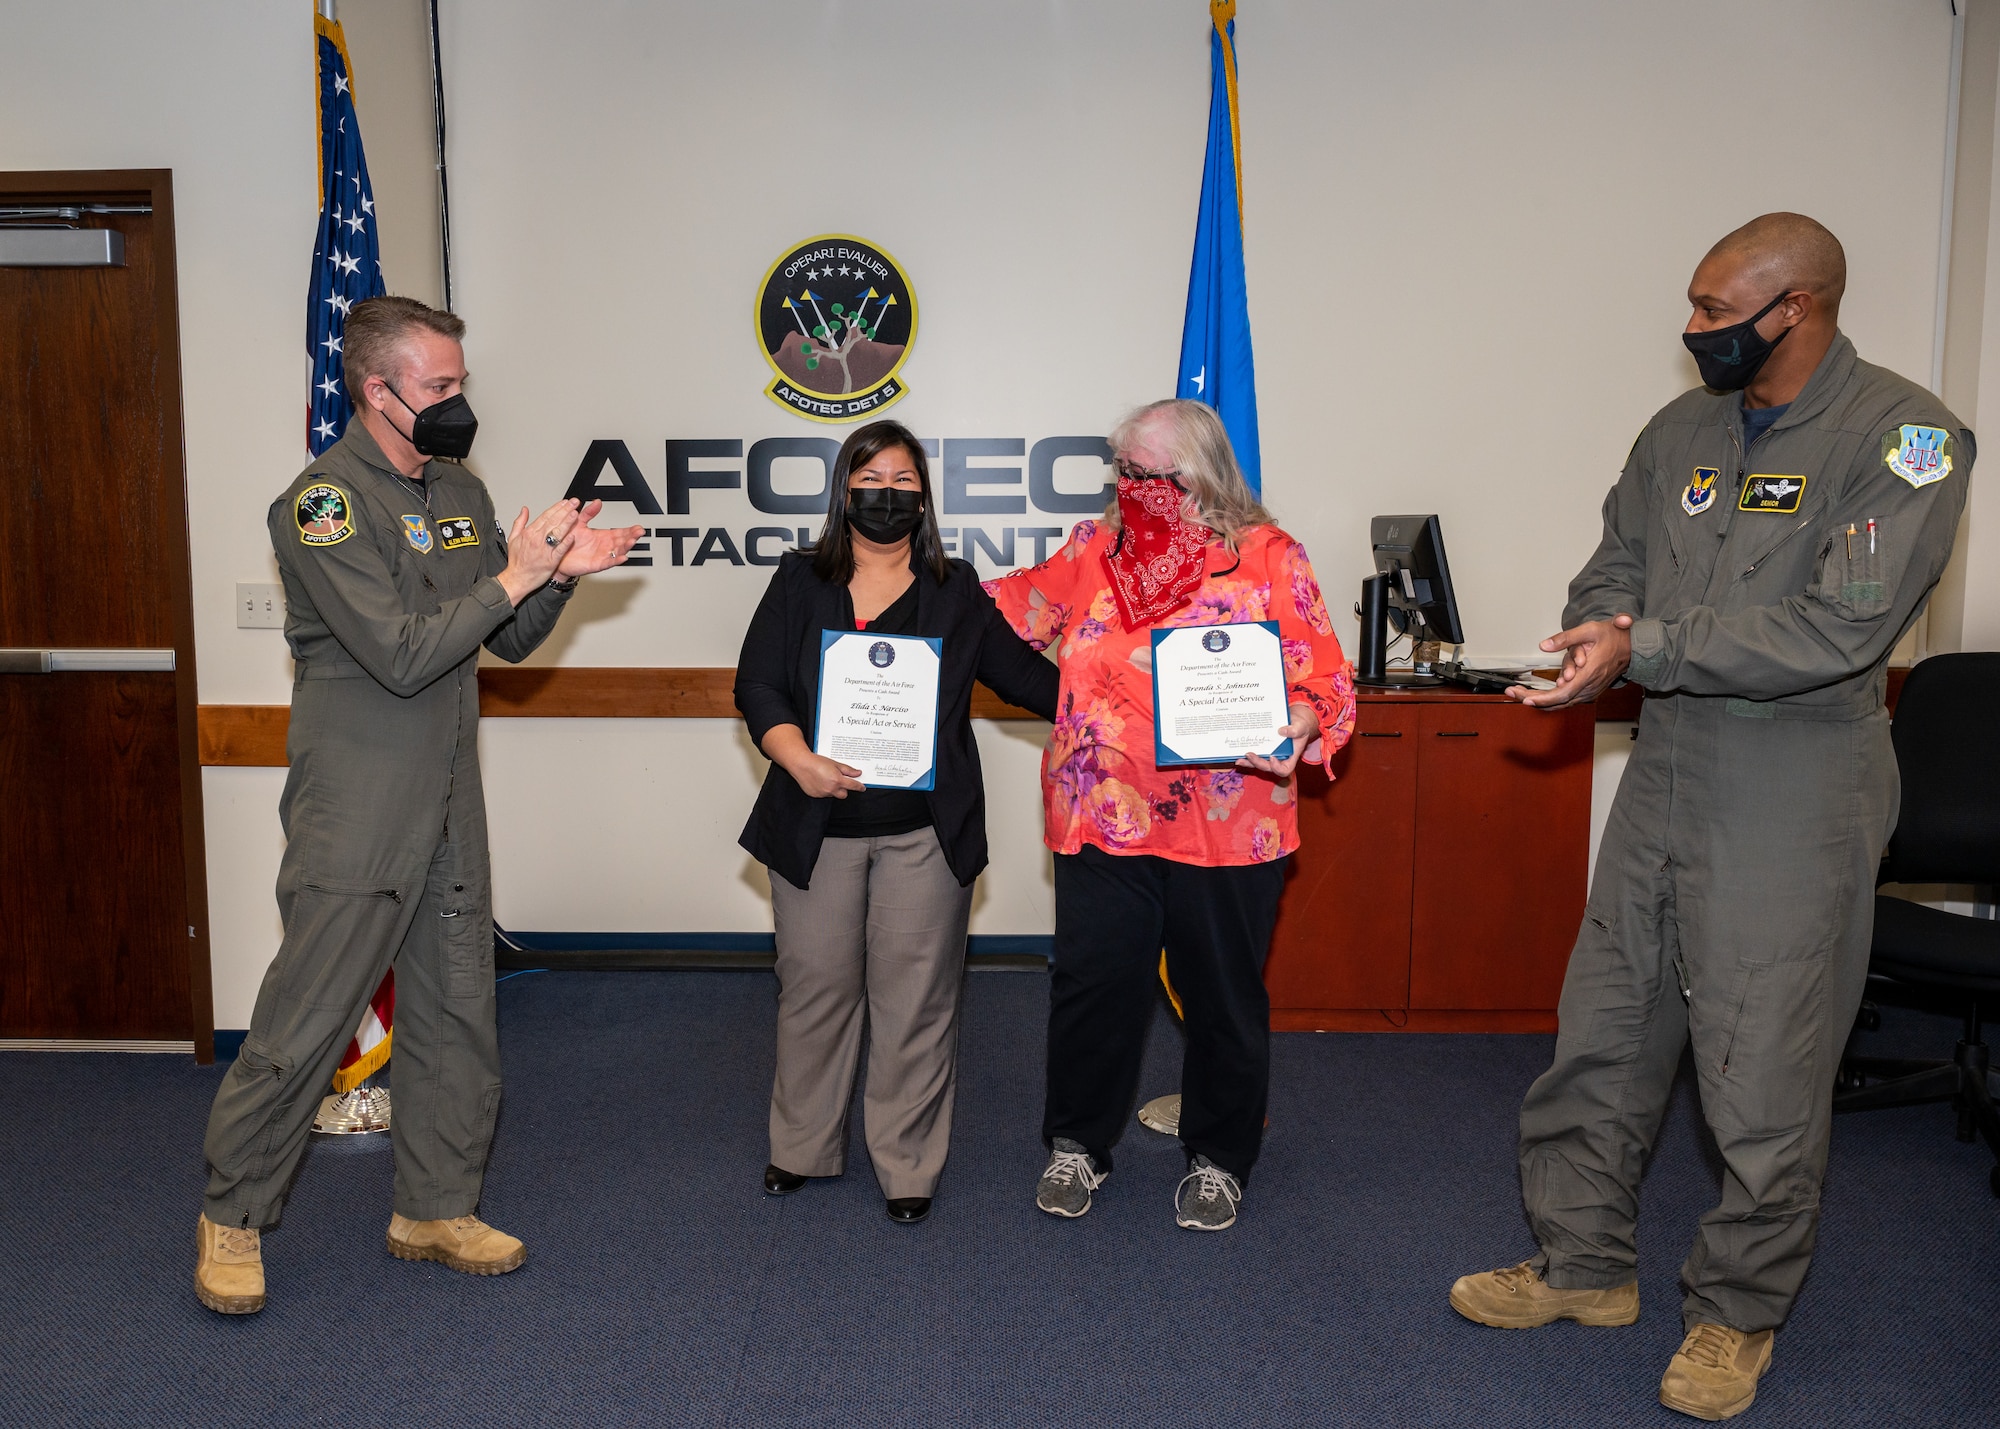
(884, 514)
(442, 429)
(1729, 357)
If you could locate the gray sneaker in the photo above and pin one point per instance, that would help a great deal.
(1069, 1179)
(1207, 1197)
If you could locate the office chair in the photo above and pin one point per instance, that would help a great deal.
(1948, 751)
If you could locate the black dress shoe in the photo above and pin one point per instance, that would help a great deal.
(780, 1182)
(908, 1210)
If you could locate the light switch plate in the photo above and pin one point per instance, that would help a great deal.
(260, 606)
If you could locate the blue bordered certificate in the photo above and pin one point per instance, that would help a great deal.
(878, 699)
(1219, 693)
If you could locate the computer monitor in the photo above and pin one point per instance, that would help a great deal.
(1411, 590)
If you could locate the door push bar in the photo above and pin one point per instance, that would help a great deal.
(52, 662)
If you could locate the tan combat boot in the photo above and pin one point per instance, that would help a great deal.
(228, 1268)
(462, 1243)
(1714, 1373)
(1518, 1299)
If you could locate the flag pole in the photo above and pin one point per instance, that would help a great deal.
(360, 1109)
(1215, 284)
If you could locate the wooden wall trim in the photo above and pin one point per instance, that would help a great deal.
(607, 692)
(247, 736)
(254, 735)
(635, 692)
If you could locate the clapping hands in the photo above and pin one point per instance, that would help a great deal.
(561, 544)
(592, 550)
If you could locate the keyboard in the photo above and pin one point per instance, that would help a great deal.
(1492, 682)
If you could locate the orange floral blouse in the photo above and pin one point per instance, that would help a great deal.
(1099, 783)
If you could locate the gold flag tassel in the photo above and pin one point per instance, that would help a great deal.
(1163, 1114)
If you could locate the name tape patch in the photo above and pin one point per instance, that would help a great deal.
(1778, 494)
(456, 531)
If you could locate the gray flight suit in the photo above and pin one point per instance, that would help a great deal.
(1733, 899)
(390, 591)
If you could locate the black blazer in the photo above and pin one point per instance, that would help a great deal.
(777, 682)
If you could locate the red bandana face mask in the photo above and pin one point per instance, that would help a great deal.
(1159, 559)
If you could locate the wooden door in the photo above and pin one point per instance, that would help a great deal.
(103, 898)
(1343, 934)
(1502, 852)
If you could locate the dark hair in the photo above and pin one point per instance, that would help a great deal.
(833, 552)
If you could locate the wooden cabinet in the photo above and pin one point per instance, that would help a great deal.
(1441, 872)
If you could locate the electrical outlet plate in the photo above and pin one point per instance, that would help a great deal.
(260, 606)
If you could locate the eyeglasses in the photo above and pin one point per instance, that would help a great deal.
(1133, 473)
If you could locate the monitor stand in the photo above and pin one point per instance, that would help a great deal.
(1371, 670)
(1399, 680)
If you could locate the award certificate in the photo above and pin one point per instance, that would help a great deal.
(878, 699)
(1219, 693)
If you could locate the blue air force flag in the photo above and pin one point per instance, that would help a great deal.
(346, 264)
(1216, 365)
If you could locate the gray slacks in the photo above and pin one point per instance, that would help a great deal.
(1732, 909)
(878, 938)
(385, 862)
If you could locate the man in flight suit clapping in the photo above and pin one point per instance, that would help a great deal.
(395, 572)
(1772, 537)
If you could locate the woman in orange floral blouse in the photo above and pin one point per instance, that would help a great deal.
(1187, 858)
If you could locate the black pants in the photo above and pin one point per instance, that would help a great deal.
(1114, 913)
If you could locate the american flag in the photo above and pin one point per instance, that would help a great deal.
(346, 264)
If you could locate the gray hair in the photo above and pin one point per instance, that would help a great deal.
(1205, 462)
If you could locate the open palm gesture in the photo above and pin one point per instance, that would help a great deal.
(594, 550)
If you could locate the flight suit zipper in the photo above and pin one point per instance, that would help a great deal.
(422, 489)
(1742, 472)
(1711, 571)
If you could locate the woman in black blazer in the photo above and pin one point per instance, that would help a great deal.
(871, 888)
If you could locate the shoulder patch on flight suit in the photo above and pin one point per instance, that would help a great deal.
(1700, 493)
(456, 531)
(324, 514)
(418, 534)
(1778, 494)
(1920, 455)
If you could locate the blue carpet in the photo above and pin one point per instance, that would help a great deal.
(663, 1288)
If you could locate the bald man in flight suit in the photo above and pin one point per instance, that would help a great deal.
(1772, 537)
(396, 572)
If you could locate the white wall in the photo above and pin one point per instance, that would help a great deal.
(389, 48)
(1469, 229)
(1980, 542)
